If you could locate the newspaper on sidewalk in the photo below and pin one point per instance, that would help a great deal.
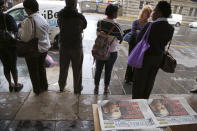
(141, 114)
(125, 114)
(172, 111)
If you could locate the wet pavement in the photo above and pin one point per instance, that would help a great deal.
(52, 111)
(64, 111)
(184, 49)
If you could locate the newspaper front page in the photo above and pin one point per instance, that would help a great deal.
(125, 114)
(172, 111)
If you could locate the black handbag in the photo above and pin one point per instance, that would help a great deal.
(169, 63)
(7, 38)
(30, 48)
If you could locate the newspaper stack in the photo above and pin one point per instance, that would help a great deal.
(144, 114)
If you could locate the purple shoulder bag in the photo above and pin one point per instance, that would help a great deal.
(137, 54)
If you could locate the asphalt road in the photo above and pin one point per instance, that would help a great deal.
(184, 50)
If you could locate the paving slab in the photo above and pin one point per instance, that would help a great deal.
(74, 126)
(4, 124)
(66, 107)
(116, 87)
(10, 103)
(40, 107)
(29, 125)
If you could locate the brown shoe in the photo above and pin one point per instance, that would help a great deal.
(106, 91)
(96, 90)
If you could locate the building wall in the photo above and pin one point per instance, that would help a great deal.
(187, 8)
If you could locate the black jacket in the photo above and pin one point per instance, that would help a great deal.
(160, 34)
(11, 26)
(71, 24)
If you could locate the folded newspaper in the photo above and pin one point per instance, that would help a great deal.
(125, 114)
(172, 111)
(144, 114)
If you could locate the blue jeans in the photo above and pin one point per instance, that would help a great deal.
(108, 69)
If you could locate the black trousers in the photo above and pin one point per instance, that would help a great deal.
(108, 69)
(74, 56)
(129, 74)
(8, 58)
(130, 70)
(37, 72)
(144, 77)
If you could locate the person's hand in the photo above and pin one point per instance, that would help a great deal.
(137, 31)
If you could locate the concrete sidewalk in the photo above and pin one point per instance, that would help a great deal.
(179, 82)
(54, 111)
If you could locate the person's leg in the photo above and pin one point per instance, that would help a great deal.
(14, 72)
(42, 72)
(150, 82)
(128, 74)
(64, 66)
(33, 68)
(5, 59)
(144, 78)
(154, 63)
(129, 70)
(97, 76)
(77, 63)
(139, 84)
(108, 69)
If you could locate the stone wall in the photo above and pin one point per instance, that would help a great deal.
(186, 8)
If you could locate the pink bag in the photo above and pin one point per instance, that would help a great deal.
(49, 62)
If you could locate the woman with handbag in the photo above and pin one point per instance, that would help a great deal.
(135, 29)
(161, 33)
(34, 29)
(8, 49)
(110, 27)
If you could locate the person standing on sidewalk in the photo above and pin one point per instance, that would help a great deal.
(26, 33)
(106, 25)
(161, 33)
(135, 29)
(8, 50)
(71, 24)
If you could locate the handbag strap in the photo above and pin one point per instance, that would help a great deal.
(146, 35)
(169, 45)
(33, 26)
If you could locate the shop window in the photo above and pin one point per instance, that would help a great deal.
(141, 4)
(191, 11)
(195, 13)
(147, 3)
(175, 9)
(180, 10)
